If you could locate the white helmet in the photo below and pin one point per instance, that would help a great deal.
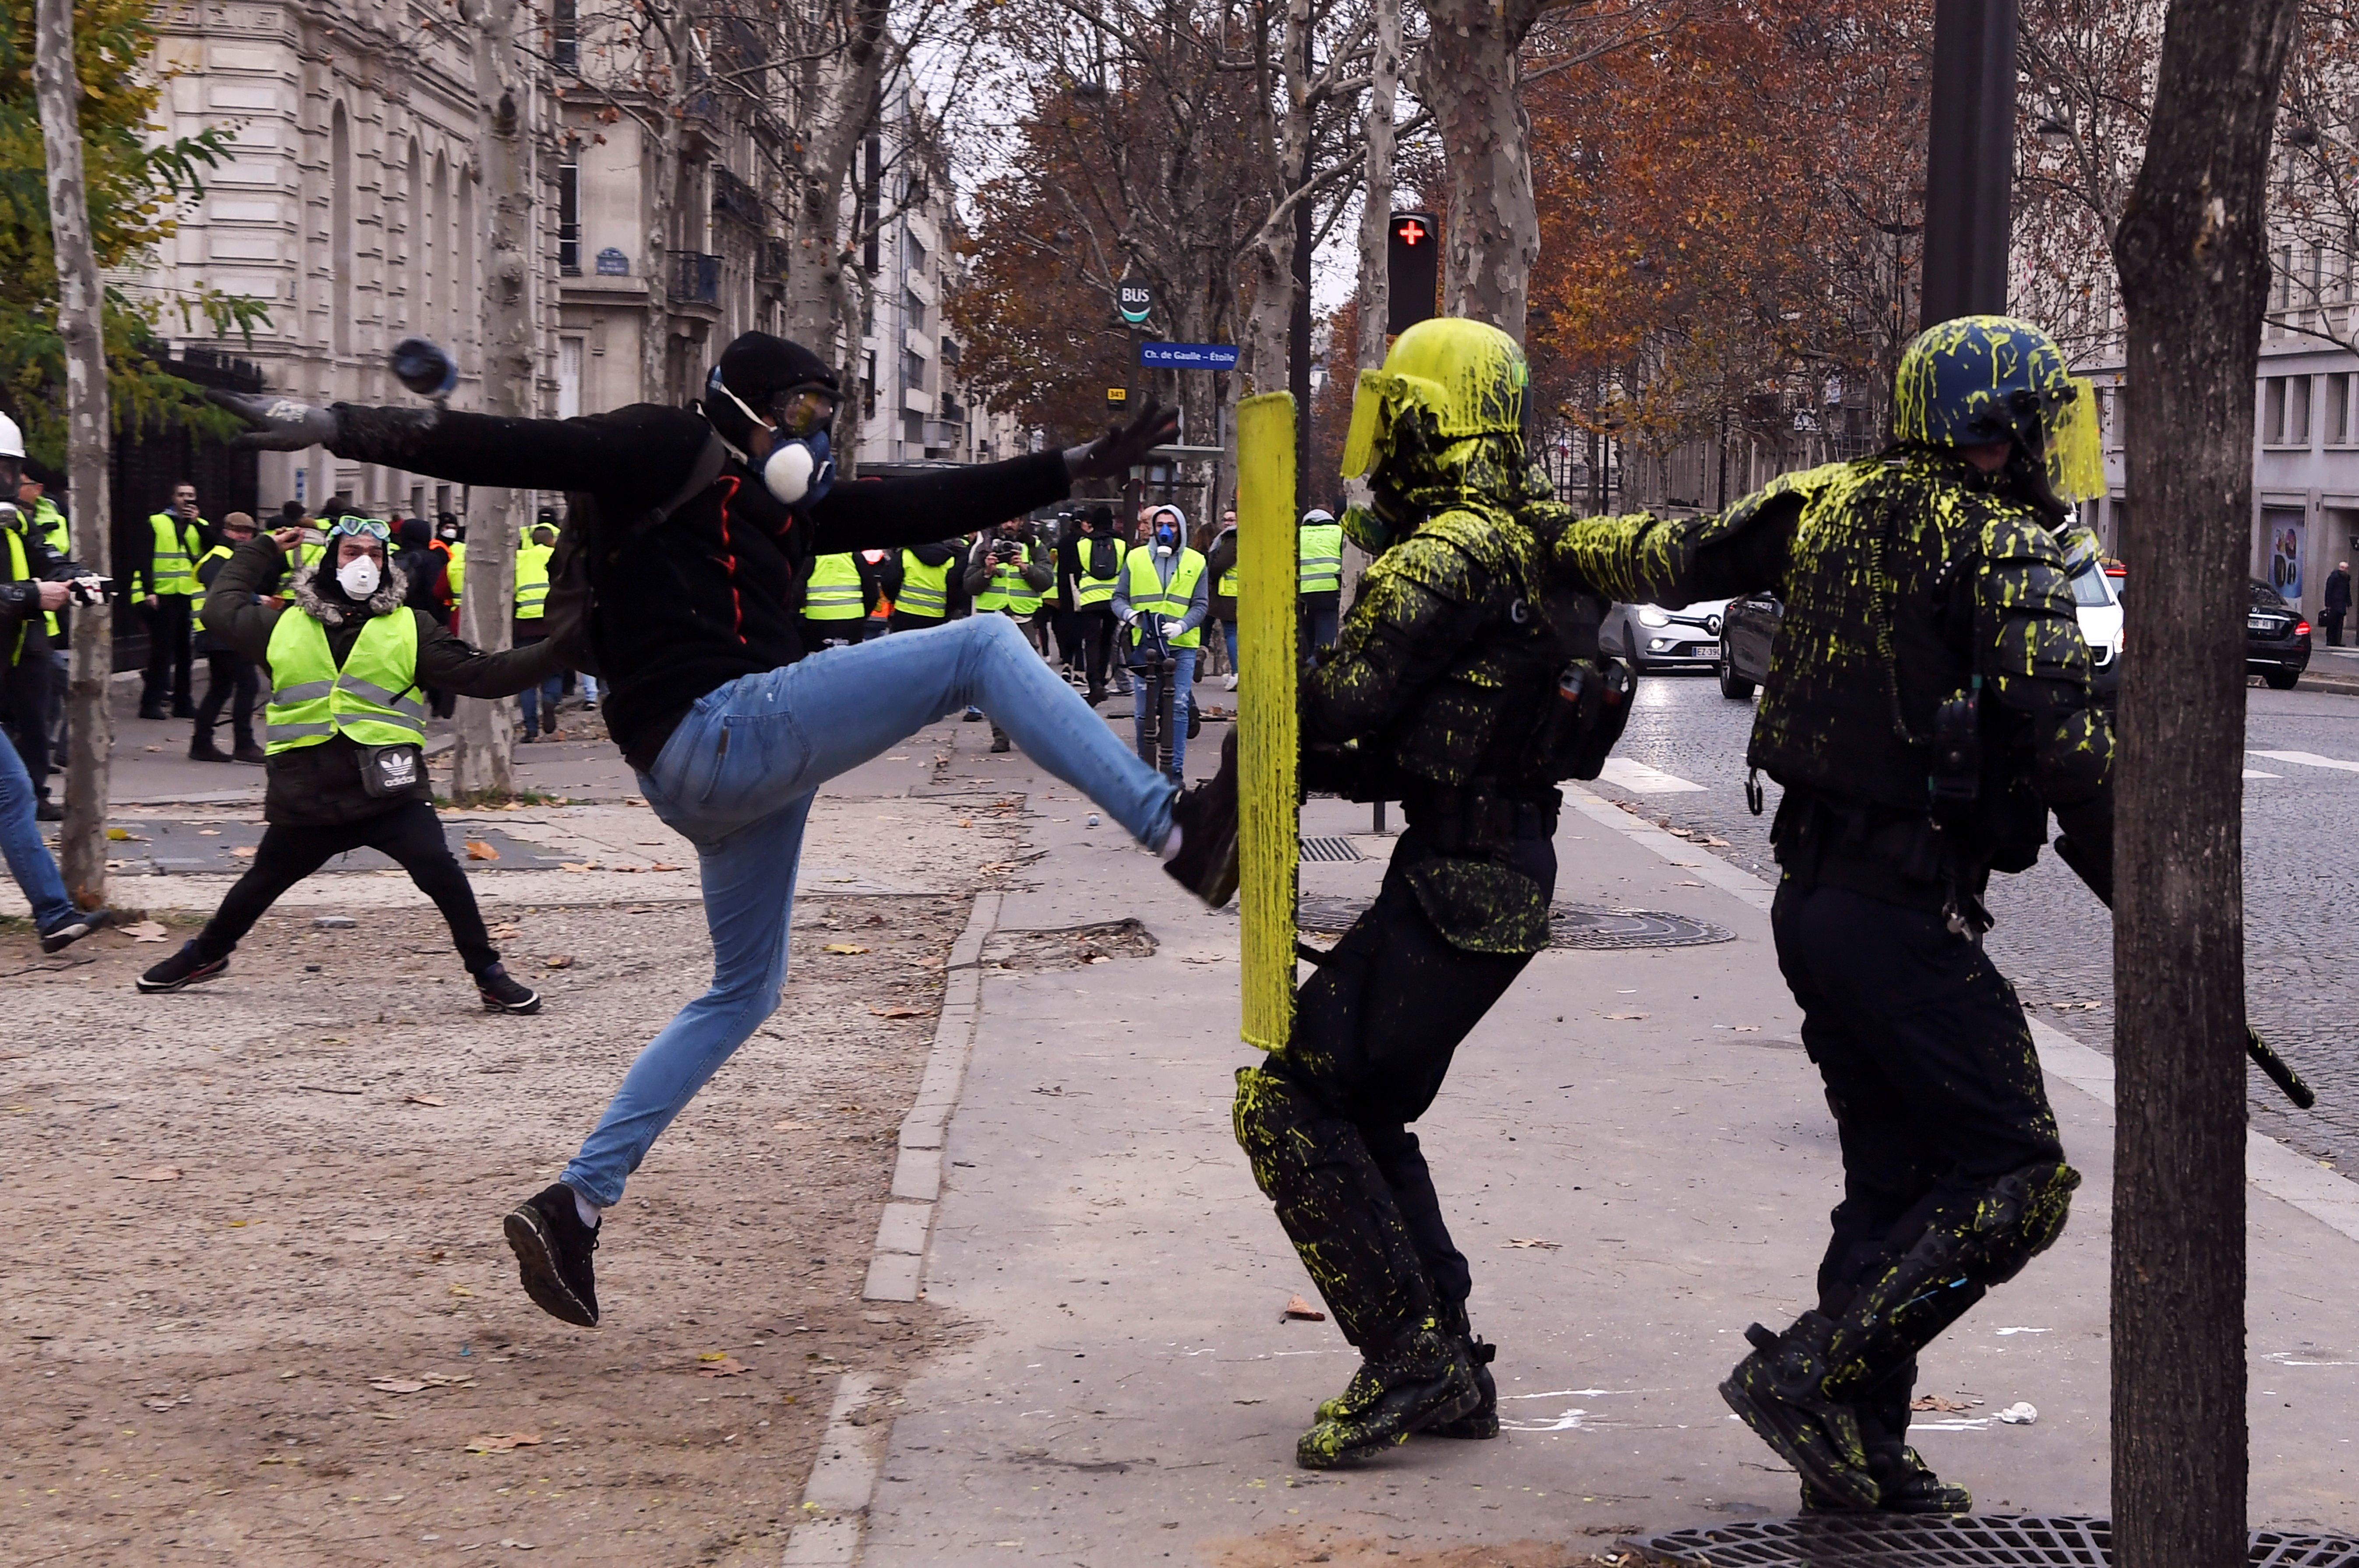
(12, 439)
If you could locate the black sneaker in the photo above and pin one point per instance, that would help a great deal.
(502, 994)
(247, 751)
(182, 969)
(999, 743)
(155, 710)
(48, 810)
(202, 749)
(71, 929)
(1206, 817)
(552, 1249)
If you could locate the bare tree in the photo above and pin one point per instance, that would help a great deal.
(1376, 186)
(2192, 248)
(90, 725)
(483, 762)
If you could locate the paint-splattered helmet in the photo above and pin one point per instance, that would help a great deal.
(1980, 379)
(1445, 414)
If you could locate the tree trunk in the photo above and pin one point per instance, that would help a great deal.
(2192, 250)
(484, 760)
(660, 145)
(1469, 79)
(90, 722)
(1375, 209)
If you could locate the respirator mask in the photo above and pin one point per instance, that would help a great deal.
(799, 471)
(360, 577)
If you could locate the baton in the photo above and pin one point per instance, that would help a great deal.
(2280, 1070)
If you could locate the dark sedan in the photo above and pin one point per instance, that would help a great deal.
(2277, 639)
(1747, 627)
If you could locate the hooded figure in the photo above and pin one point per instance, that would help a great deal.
(1162, 598)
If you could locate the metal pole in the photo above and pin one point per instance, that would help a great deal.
(1970, 160)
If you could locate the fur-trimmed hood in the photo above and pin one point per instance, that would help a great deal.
(303, 588)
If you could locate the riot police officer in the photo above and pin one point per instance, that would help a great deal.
(1928, 704)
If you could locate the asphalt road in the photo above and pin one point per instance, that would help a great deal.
(1682, 759)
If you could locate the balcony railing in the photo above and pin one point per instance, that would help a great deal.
(695, 278)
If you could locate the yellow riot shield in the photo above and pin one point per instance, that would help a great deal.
(1269, 753)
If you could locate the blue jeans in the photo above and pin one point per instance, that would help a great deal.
(1229, 636)
(20, 841)
(737, 778)
(1183, 682)
(547, 691)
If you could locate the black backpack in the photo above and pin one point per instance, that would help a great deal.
(572, 599)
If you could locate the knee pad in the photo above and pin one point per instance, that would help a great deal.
(2018, 1219)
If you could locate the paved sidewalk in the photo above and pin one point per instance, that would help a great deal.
(1632, 1191)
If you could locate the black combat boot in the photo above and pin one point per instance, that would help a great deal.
(1777, 1390)
(1905, 1485)
(1406, 1388)
(1483, 1420)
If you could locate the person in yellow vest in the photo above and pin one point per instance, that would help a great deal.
(1220, 561)
(880, 608)
(451, 540)
(531, 608)
(164, 581)
(918, 583)
(837, 598)
(47, 524)
(230, 676)
(1319, 580)
(345, 738)
(1163, 602)
(1005, 576)
(1096, 571)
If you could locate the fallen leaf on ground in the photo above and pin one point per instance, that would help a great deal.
(791, 1127)
(898, 1011)
(501, 1443)
(559, 960)
(1936, 1402)
(964, 822)
(726, 1366)
(245, 851)
(846, 948)
(208, 832)
(479, 850)
(118, 834)
(461, 1291)
(154, 1173)
(1625, 1017)
(1295, 1307)
(397, 1385)
(423, 1099)
(1533, 1241)
(578, 866)
(661, 866)
(147, 931)
(449, 1380)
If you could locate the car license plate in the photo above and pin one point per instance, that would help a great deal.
(1706, 651)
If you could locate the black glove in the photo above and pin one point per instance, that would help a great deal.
(277, 424)
(1124, 447)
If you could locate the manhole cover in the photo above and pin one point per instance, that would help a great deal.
(1569, 925)
(1887, 1540)
(1330, 849)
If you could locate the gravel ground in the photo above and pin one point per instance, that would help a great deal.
(258, 1311)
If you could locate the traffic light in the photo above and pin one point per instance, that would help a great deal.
(1413, 265)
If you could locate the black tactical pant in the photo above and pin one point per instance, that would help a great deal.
(1931, 1075)
(230, 679)
(164, 682)
(1374, 1033)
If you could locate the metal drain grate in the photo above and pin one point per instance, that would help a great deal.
(1569, 925)
(1887, 1540)
(1330, 849)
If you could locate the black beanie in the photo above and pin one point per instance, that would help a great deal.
(757, 365)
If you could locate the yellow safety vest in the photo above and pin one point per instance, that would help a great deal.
(457, 573)
(50, 528)
(833, 592)
(1319, 552)
(1148, 596)
(532, 581)
(925, 591)
(1089, 592)
(1008, 590)
(174, 568)
(369, 701)
(19, 571)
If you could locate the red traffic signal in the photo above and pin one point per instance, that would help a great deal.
(1413, 265)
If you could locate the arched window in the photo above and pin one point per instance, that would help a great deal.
(401, 313)
(435, 323)
(340, 229)
(463, 269)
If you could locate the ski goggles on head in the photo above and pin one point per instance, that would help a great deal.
(362, 528)
(798, 412)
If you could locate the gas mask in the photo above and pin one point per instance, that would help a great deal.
(359, 578)
(799, 471)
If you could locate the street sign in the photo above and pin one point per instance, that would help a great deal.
(1136, 301)
(1117, 397)
(1412, 269)
(1188, 356)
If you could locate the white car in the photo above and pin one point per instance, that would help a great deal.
(2097, 602)
(1654, 638)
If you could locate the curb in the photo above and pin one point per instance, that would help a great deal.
(844, 1477)
(2293, 1178)
(896, 1264)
